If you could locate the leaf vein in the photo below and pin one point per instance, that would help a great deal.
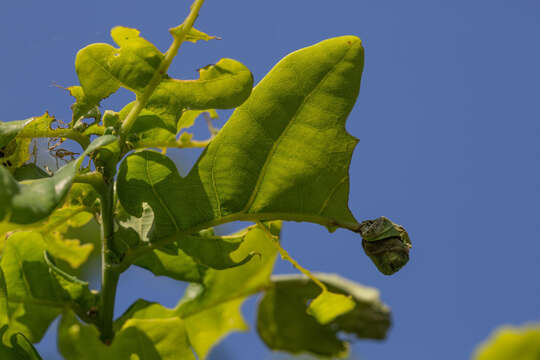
(269, 157)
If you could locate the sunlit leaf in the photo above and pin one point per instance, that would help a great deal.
(224, 85)
(139, 337)
(328, 305)
(516, 343)
(102, 68)
(284, 154)
(194, 35)
(83, 105)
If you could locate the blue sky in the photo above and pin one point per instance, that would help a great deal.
(448, 120)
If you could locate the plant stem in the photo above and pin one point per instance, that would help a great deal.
(109, 274)
(179, 34)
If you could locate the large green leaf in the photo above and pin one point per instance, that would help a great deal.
(284, 324)
(37, 291)
(516, 343)
(30, 201)
(284, 154)
(148, 338)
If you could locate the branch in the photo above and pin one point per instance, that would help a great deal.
(179, 33)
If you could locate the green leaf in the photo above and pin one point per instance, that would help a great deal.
(284, 154)
(38, 292)
(30, 201)
(222, 286)
(29, 172)
(53, 230)
(224, 85)
(189, 116)
(188, 257)
(215, 251)
(19, 348)
(283, 323)
(102, 69)
(211, 310)
(9, 130)
(328, 305)
(155, 337)
(15, 153)
(42, 127)
(83, 106)
(173, 263)
(194, 35)
(516, 343)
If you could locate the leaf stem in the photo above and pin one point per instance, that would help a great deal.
(179, 34)
(109, 274)
(285, 256)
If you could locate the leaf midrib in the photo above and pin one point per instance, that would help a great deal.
(270, 154)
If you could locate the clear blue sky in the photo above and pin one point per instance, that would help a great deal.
(449, 124)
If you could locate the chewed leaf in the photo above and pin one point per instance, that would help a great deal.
(328, 305)
(30, 201)
(69, 250)
(283, 154)
(516, 343)
(189, 116)
(83, 104)
(102, 69)
(283, 324)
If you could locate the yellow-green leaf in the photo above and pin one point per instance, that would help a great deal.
(516, 343)
(284, 154)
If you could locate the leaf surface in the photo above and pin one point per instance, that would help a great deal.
(284, 154)
(30, 201)
(516, 343)
(212, 310)
(284, 324)
(18, 348)
(150, 338)
(102, 68)
(223, 85)
(37, 291)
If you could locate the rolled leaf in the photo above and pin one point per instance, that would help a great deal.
(386, 243)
